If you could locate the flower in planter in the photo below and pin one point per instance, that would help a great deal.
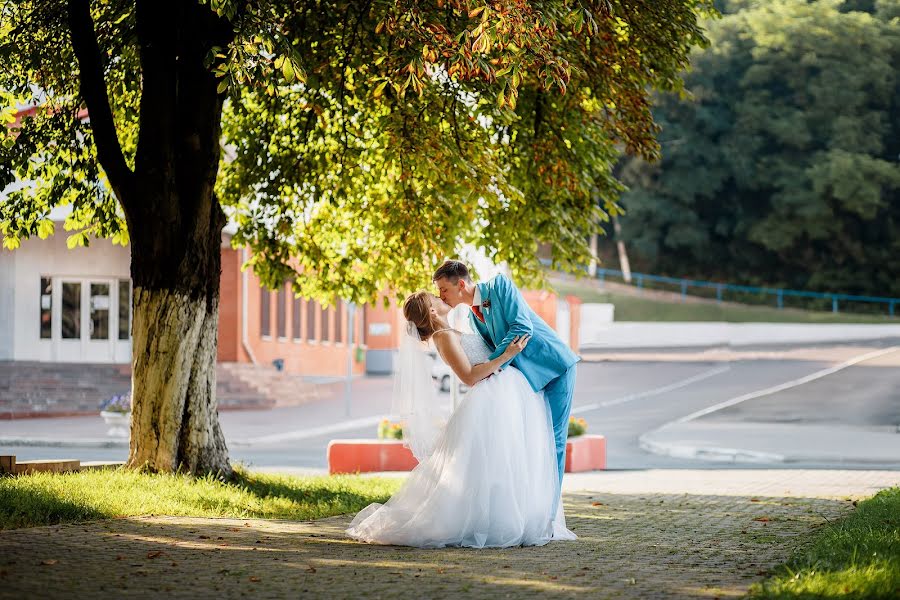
(120, 403)
(577, 426)
(390, 431)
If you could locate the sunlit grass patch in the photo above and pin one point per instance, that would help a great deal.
(48, 498)
(856, 557)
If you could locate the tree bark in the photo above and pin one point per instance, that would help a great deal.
(175, 224)
(176, 227)
(174, 422)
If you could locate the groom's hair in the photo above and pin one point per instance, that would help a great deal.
(452, 271)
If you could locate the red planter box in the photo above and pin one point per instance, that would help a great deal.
(583, 453)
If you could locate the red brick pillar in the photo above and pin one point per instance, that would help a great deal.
(574, 321)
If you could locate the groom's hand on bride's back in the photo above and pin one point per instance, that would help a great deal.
(515, 347)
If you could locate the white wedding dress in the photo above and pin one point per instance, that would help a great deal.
(491, 480)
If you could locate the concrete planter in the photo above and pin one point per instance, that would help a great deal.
(583, 453)
(119, 423)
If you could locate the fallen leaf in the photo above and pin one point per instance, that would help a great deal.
(762, 519)
(754, 499)
(203, 537)
(597, 504)
(310, 569)
(154, 554)
(174, 564)
(254, 579)
(49, 561)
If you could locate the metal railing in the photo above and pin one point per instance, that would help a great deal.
(779, 294)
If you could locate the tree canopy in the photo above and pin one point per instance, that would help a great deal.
(364, 140)
(783, 165)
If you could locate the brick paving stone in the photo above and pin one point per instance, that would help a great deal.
(631, 545)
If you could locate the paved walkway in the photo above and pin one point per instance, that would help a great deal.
(652, 534)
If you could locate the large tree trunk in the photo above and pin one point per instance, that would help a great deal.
(175, 223)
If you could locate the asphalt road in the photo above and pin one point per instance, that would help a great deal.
(620, 396)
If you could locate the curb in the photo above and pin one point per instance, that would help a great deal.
(710, 453)
(55, 443)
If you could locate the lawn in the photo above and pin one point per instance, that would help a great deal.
(46, 498)
(856, 557)
(636, 308)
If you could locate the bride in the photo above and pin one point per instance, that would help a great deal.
(488, 478)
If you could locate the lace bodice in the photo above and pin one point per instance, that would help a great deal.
(476, 349)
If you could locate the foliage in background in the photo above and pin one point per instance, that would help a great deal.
(783, 168)
(388, 430)
(577, 426)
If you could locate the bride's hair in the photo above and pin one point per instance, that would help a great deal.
(417, 310)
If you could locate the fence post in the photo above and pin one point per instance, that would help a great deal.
(640, 282)
(684, 286)
(891, 308)
(719, 293)
(834, 304)
(601, 274)
(780, 299)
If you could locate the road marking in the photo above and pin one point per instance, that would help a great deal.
(303, 434)
(735, 454)
(654, 392)
(783, 386)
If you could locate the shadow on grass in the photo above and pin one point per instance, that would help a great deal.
(339, 500)
(24, 506)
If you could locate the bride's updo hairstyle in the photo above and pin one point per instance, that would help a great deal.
(417, 310)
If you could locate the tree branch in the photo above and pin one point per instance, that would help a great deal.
(93, 90)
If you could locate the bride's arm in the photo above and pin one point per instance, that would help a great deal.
(451, 352)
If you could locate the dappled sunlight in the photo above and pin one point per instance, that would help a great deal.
(629, 546)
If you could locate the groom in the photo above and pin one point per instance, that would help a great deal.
(499, 314)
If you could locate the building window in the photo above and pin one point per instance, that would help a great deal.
(281, 316)
(46, 308)
(265, 312)
(124, 309)
(339, 321)
(99, 311)
(71, 311)
(326, 331)
(311, 320)
(296, 315)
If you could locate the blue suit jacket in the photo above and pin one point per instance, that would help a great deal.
(506, 316)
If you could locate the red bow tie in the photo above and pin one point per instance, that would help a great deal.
(478, 314)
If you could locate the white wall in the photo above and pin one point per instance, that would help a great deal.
(599, 335)
(51, 257)
(7, 276)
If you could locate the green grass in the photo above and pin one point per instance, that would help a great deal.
(45, 498)
(857, 557)
(636, 308)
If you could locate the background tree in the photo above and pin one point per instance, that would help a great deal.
(364, 142)
(784, 166)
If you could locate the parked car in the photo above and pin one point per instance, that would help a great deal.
(443, 375)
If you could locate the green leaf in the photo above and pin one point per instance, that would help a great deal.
(45, 228)
(287, 69)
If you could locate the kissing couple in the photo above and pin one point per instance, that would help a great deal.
(491, 475)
